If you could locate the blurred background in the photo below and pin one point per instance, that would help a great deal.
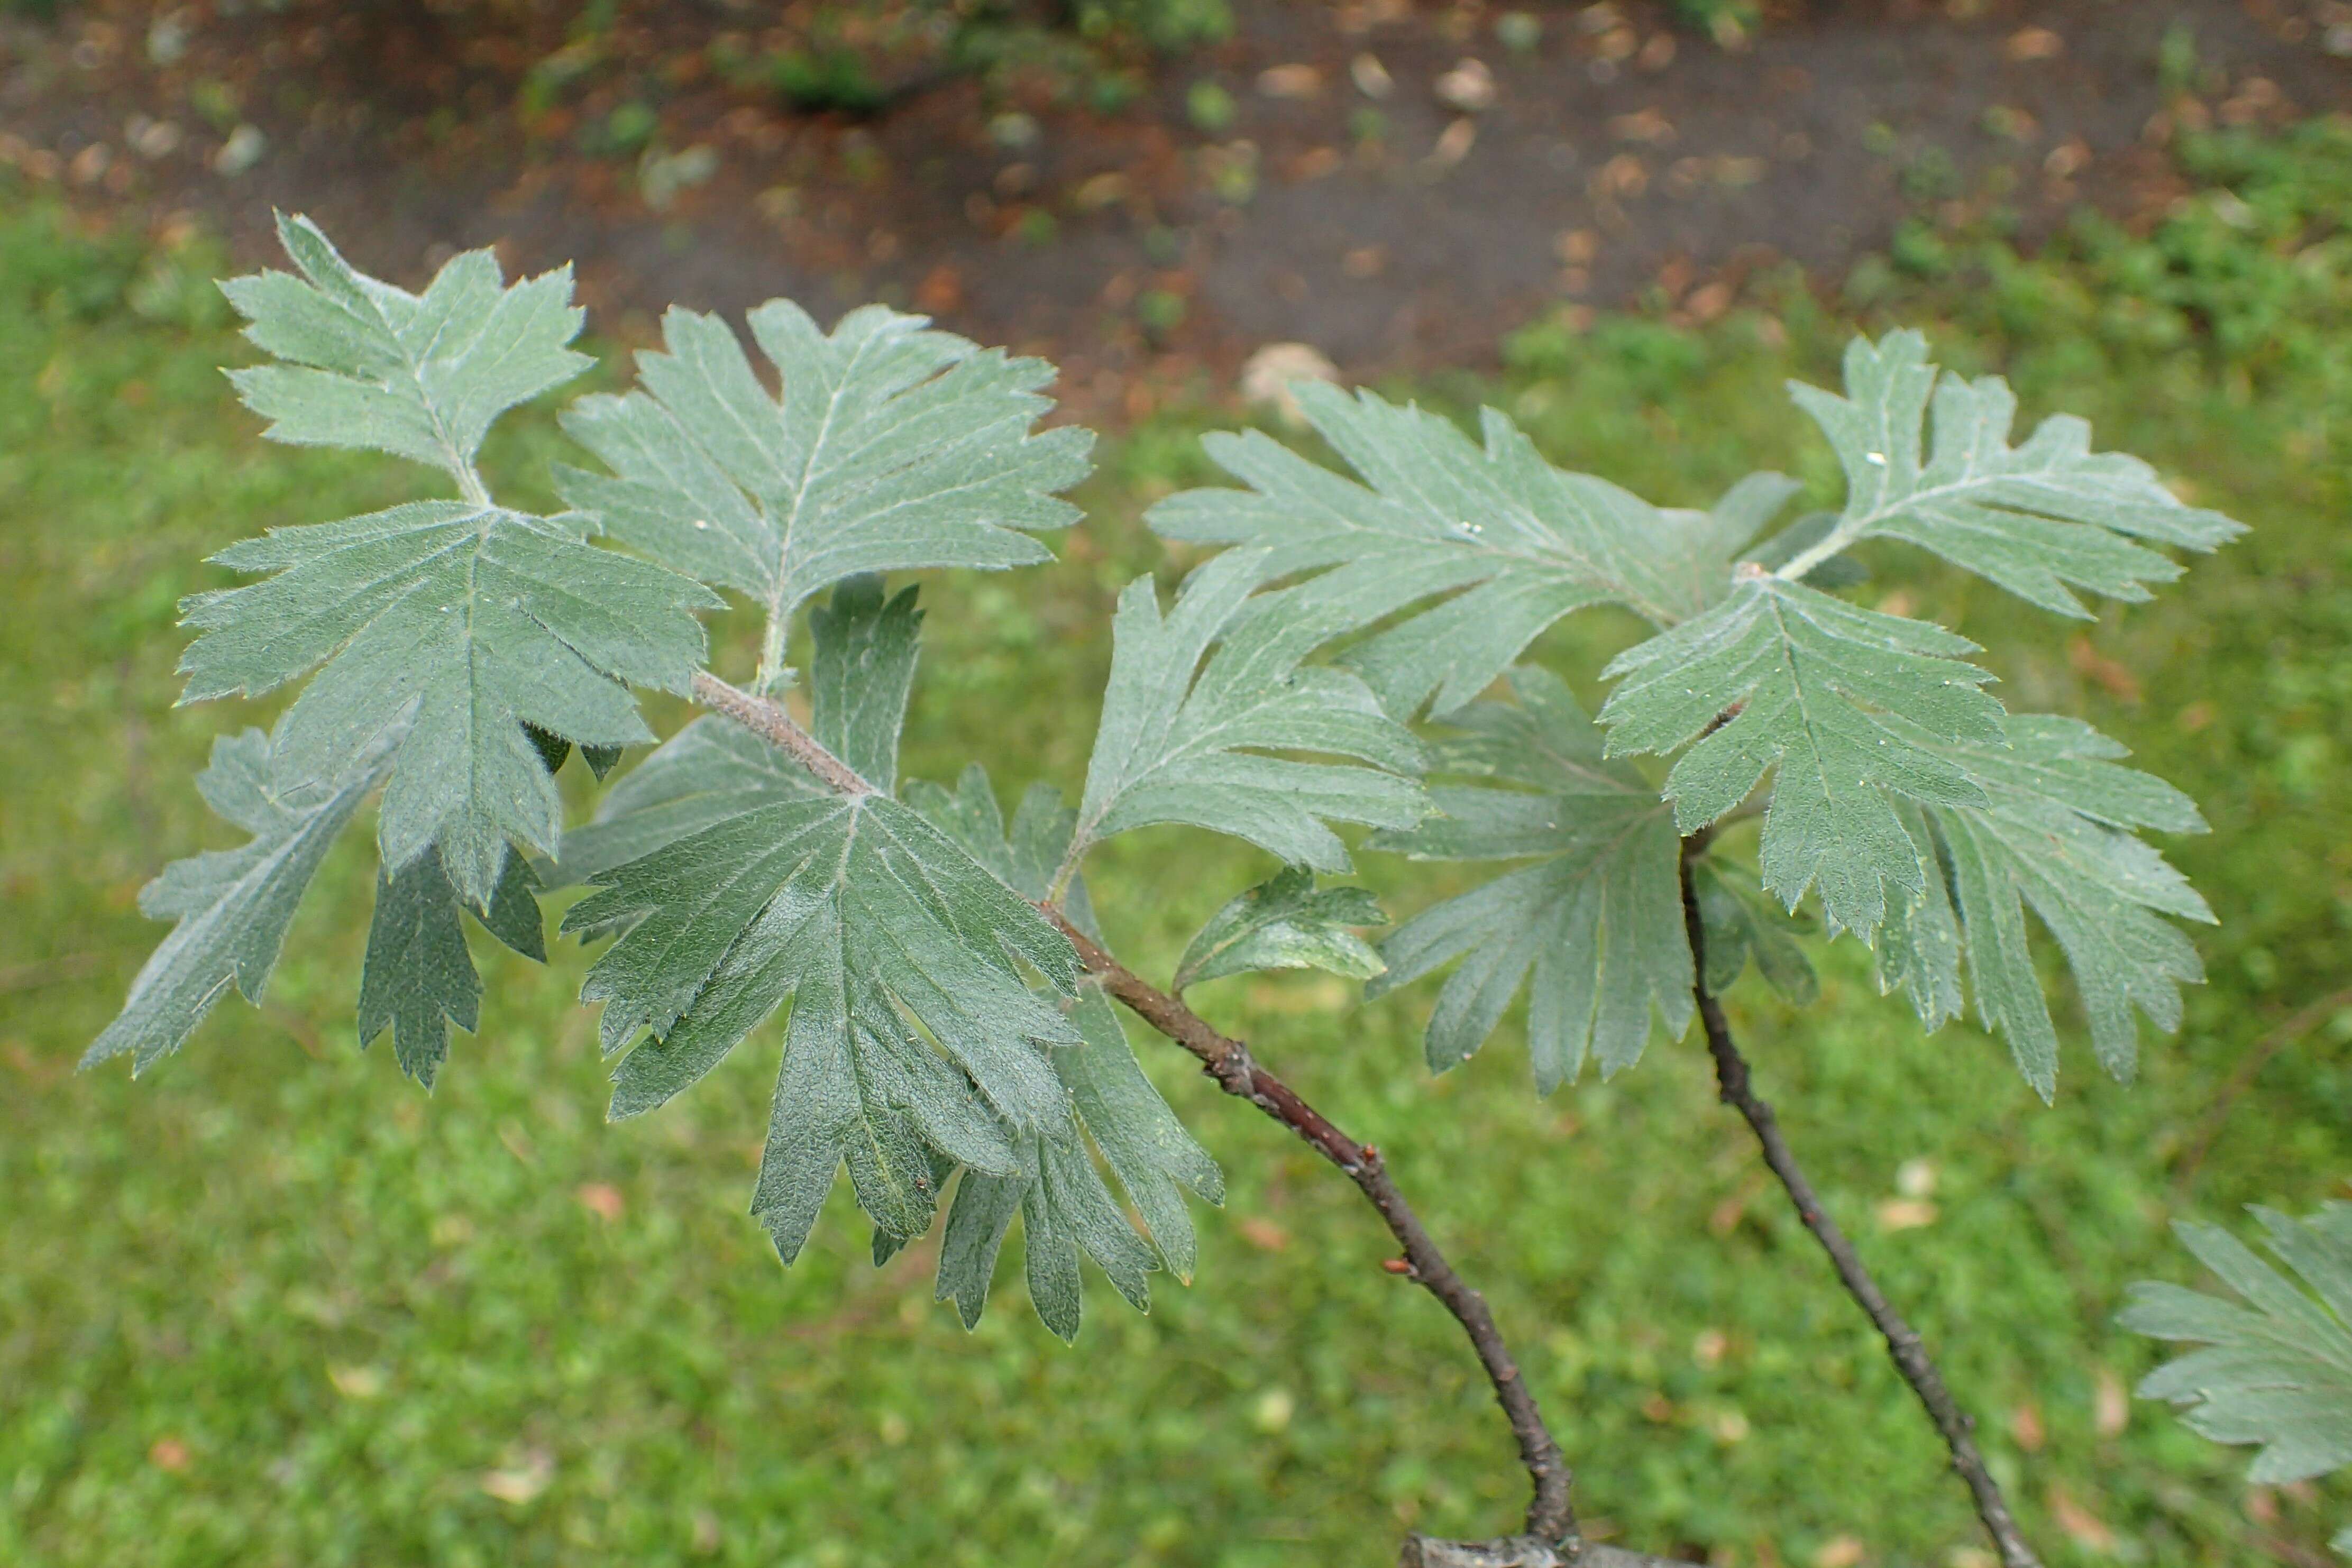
(274, 1306)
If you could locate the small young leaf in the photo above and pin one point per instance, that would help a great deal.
(1807, 682)
(1174, 748)
(1741, 926)
(1285, 924)
(371, 365)
(1597, 921)
(2275, 1371)
(2038, 519)
(1517, 541)
(232, 906)
(892, 447)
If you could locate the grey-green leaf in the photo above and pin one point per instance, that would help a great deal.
(1515, 542)
(1741, 926)
(2275, 1367)
(232, 906)
(370, 365)
(892, 447)
(2039, 519)
(1172, 748)
(2056, 834)
(1285, 922)
(1781, 676)
(1594, 927)
(418, 977)
(455, 626)
(864, 669)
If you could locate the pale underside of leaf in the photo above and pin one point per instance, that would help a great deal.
(2275, 1371)
(1593, 929)
(2039, 519)
(1518, 542)
(1185, 738)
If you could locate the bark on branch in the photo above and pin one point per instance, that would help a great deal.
(1551, 1540)
(1903, 1343)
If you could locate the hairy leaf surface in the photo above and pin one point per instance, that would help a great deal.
(455, 627)
(231, 906)
(1594, 927)
(892, 446)
(1066, 1208)
(419, 978)
(1809, 683)
(2039, 519)
(2056, 836)
(1516, 542)
(1740, 925)
(2275, 1367)
(370, 365)
(1174, 746)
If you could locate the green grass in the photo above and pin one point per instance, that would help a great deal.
(274, 1306)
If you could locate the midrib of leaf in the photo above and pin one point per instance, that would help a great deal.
(779, 599)
(1851, 530)
(470, 486)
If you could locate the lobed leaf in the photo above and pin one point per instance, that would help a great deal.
(1285, 923)
(1515, 542)
(891, 447)
(2039, 519)
(231, 907)
(1781, 677)
(1184, 740)
(2275, 1371)
(370, 365)
(1593, 928)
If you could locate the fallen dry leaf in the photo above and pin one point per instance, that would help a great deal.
(1365, 261)
(1916, 1178)
(1370, 77)
(356, 1382)
(2110, 675)
(1657, 54)
(1646, 125)
(1840, 1551)
(1709, 302)
(2085, 1528)
(1905, 1213)
(2025, 1426)
(1291, 82)
(1453, 143)
(168, 1454)
(2110, 1406)
(1468, 86)
(1266, 378)
(940, 293)
(2034, 44)
(523, 1482)
(1576, 247)
(1623, 176)
(1262, 1233)
(601, 1199)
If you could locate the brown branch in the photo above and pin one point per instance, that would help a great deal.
(1551, 1517)
(774, 722)
(1551, 1540)
(1902, 1341)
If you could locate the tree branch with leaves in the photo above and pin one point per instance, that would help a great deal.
(1346, 674)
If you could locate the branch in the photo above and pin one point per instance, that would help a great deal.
(1551, 1517)
(1902, 1340)
(1551, 1540)
(774, 722)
